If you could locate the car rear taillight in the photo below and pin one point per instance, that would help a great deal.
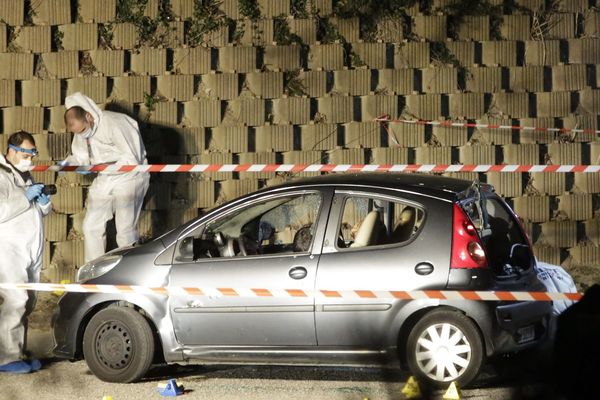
(467, 249)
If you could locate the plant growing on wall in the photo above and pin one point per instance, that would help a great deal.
(298, 8)
(105, 36)
(86, 63)
(441, 55)
(207, 18)
(12, 33)
(371, 12)
(152, 32)
(544, 20)
(292, 84)
(461, 8)
(327, 32)
(249, 9)
(57, 39)
(282, 34)
(150, 102)
(29, 13)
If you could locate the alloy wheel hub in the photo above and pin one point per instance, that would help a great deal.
(443, 352)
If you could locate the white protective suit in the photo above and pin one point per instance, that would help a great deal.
(21, 246)
(116, 140)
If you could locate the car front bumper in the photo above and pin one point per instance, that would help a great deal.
(66, 321)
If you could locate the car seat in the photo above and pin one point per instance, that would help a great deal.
(405, 227)
(369, 230)
(302, 239)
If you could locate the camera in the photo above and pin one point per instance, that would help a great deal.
(49, 190)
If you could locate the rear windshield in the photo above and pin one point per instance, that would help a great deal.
(505, 243)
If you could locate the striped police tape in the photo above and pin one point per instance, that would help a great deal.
(212, 292)
(448, 123)
(296, 168)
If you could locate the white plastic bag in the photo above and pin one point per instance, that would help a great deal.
(557, 280)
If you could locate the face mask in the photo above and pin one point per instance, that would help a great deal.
(23, 165)
(89, 132)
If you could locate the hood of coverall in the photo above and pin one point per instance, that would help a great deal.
(6, 166)
(81, 100)
(4, 163)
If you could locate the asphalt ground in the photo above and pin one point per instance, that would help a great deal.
(517, 377)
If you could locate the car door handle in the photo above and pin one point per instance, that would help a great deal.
(424, 268)
(298, 273)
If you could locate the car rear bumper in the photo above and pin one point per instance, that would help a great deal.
(514, 319)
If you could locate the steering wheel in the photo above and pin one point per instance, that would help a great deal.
(219, 239)
(234, 244)
(242, 246)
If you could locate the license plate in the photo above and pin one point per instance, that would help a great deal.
(526, 334)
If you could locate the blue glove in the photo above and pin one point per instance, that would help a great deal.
(43, 199)
(84, 172)
(33, 191)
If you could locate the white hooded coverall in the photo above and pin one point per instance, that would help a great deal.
(21, 246)
(116, 140)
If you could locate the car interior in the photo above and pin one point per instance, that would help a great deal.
(505, 244)
(278, 226)
(372, 222)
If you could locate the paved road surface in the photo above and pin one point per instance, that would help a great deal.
(68, 380)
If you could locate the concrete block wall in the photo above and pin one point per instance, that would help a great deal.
(248, 92)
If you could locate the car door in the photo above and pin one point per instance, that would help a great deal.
(375, 241)
(234, 314)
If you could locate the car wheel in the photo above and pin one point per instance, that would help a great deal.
(118, 345)
(445, 347)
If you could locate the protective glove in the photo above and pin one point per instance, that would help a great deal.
(33, 191)
(43, 199)
(84, 172)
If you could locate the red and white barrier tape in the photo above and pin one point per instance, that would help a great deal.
(296, 168)
(488, 126)
(263, 292)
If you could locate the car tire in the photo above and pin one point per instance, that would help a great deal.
(443, 347)
(118, 345)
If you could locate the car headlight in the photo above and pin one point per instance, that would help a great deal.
(97, 267)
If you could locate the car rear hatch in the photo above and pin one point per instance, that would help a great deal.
(494, 245)
(507, 249)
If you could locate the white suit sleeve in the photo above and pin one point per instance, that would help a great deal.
(12, 200)
(126, 137)
(46, 209)
(79, 152)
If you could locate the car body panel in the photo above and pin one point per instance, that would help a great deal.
(364, 321)
(314, 330)
(244, 319)
(250, 320)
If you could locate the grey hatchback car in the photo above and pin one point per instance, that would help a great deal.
(372, 232)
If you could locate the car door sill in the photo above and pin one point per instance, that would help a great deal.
(280, 355)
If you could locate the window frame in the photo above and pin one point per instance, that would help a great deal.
(337, 212)
(199, 229)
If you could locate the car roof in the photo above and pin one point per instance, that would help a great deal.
(432, 185)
